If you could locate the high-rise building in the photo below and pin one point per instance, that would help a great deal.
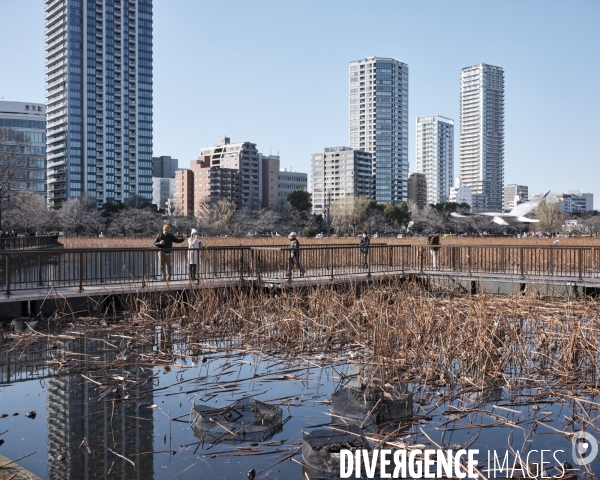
(417, 189)
(435, 155)
(242, 157)
(163, 189)
(290, 181)
(213, 183)
(269, 175)
(202, 185)
(378, 122)
(27, 122)
(340, 173)
(164, 167)
(482, 134)
(99, 99)
(460, 193)
(514, 195)
(163, 180)
(184, 192)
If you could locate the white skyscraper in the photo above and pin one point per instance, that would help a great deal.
(435, 155)
(99, 99)
(378, 123)
(482, 134)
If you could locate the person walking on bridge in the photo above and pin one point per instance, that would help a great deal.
(164, 241)
(434, 242)
(294, 255)
(364, 244)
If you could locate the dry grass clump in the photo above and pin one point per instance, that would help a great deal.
(408, 333)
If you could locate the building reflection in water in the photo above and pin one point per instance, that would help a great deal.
(86, 420)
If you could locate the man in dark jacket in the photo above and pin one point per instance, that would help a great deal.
(365, 241)
(294, 255)
(164, 241)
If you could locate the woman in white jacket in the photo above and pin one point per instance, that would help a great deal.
(194, 244)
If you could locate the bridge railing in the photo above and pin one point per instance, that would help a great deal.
(47, 269)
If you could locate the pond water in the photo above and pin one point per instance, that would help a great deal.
(98, 416)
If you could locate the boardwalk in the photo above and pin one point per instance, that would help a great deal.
(39, 275)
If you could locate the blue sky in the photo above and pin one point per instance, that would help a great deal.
(275, 73)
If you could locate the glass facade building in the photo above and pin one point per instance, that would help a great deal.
(28, 122)
(99, 99)
(482, 135)
(378, 122)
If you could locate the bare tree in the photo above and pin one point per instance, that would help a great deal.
(550, 217)
(219, 216)
(78, 215)
(30, 212)
(348, 213)
(592, 225)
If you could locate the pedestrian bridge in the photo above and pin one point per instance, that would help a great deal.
(37, 275)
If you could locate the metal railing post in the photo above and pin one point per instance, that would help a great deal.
(241, 265)
(40, 273)
(522, 261)
(580, 263)
(80, 272)
(7, 266)
(469, 259)
(331, 256)
(421, 258)
(143, 268)
(100, 264)
(550, 260)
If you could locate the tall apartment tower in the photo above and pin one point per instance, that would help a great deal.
(98, 99)
(340, 174)
(482, 134)
(378, 122)
(435, 156)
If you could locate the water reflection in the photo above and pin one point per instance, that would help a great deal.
(94, 422)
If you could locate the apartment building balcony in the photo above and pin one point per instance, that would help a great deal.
(62, 153)
(57, 53)
(52, 6)
(56, 147)
(55, 75)
(55, 107)
(56, 81)
(55, 97)
(59, 21)
(56, 35)
(59, 113)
